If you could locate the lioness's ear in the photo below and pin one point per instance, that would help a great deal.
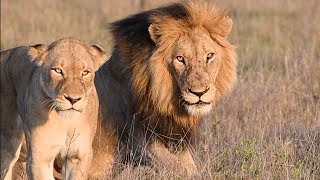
(225, 26)
(99, 55)
(38, 52)
(154, 32)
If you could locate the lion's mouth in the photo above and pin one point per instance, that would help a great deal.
(199, 103)
(198, 108)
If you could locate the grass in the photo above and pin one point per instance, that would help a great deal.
(267, 128)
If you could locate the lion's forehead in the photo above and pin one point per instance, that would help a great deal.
(195, 43)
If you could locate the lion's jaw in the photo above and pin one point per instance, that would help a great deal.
(195, 61)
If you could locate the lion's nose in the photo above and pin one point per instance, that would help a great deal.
(71, 99)
(199, 92)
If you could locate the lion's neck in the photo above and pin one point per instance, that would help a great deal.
(171, 130)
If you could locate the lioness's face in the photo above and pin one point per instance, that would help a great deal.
(67, 75)
(195, 62)
(67, 80)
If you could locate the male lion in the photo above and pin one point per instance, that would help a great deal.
(170, 65)
(52, 89)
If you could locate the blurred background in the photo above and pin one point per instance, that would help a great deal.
(268, 127)
(45, 21)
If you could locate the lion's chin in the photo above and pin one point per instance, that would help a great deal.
(198, 110)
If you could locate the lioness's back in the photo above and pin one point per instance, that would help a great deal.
(16, 68)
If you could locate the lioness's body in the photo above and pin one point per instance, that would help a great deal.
(58, 110)
(170, 65)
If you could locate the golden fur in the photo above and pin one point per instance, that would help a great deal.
(52, 89)
(154, 95)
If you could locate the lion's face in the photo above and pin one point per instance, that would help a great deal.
(67, 74)
(200, 60)
(195, 64)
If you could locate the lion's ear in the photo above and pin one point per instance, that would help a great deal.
(154, 32)
(225, 26)
(99, 55)
(38, 52)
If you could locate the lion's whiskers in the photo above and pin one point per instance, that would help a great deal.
(181, 101)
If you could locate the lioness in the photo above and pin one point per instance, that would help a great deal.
(52, 89)
(169, 67)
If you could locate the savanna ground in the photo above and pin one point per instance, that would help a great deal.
(269, 126)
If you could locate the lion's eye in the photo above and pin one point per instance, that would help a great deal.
(57, 70)
(210, 57)
(85, 73)
(180, 59)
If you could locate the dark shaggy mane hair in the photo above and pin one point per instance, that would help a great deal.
(134, 29)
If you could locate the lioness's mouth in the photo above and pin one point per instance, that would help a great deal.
(70, 109)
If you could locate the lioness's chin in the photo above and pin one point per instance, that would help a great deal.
(199, 110)
(70, 113)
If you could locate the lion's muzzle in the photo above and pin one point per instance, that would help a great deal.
(198, 100)
(199, 92)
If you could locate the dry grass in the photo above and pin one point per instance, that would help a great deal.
(269, 128)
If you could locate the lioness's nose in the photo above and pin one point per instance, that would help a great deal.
(72, 99)
(199, 92)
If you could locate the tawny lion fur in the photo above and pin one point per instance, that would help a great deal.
(48, 96)
(169, 66)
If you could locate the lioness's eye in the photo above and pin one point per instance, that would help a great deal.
(57, 70)
(84, 73)
(180, 59)
(210, 57)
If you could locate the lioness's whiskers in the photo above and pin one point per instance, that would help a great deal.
(52, 106)
(47, 101)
